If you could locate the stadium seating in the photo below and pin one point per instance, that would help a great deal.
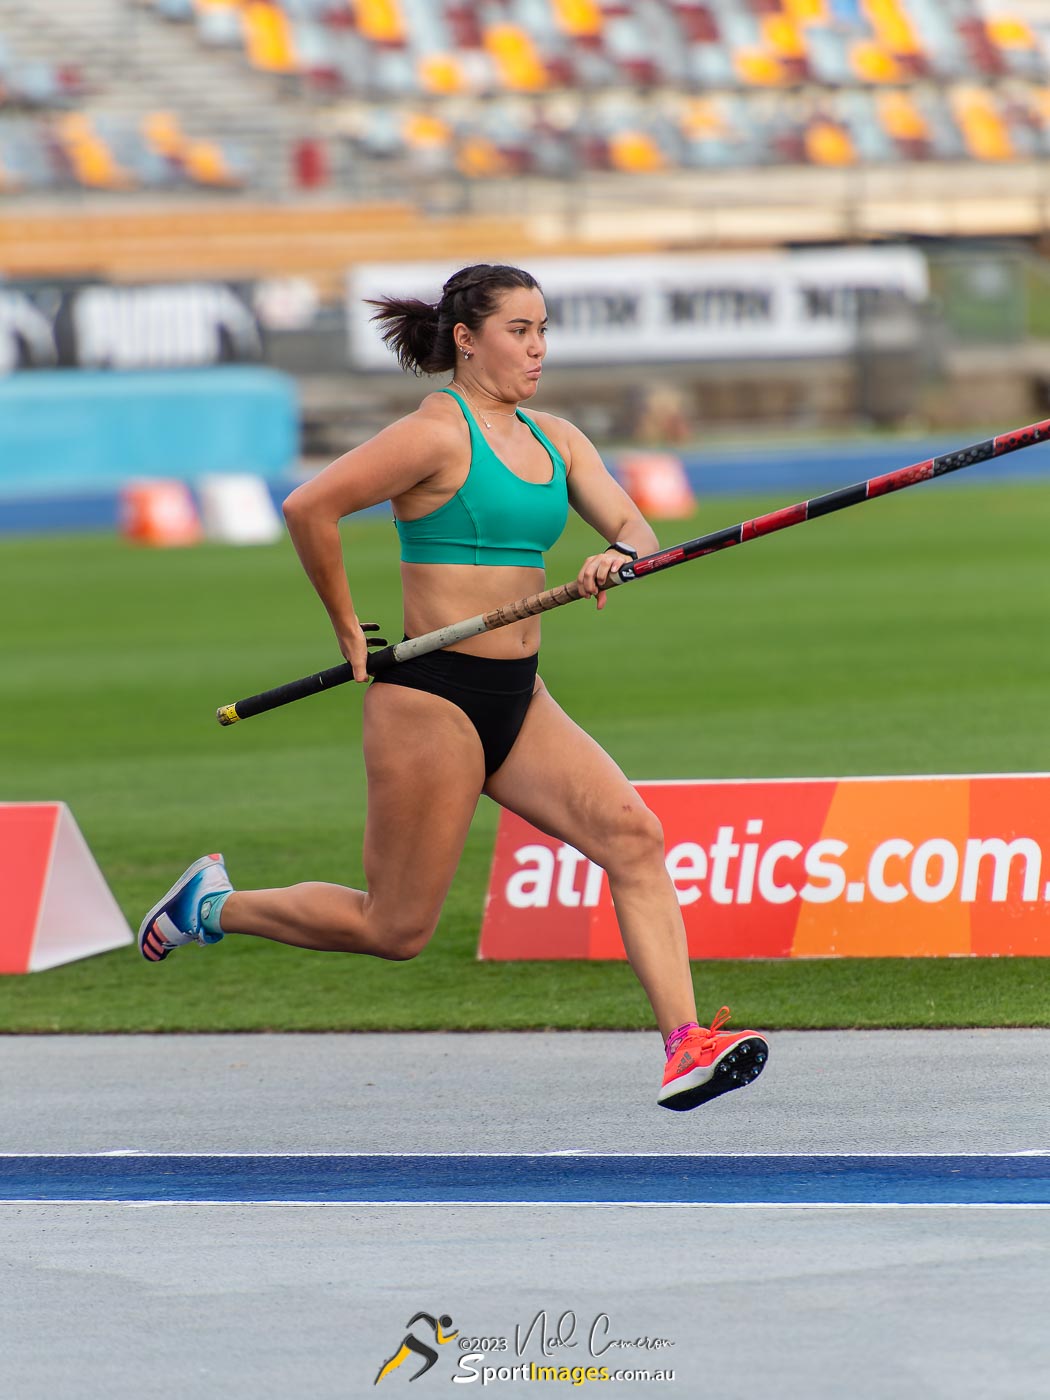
(884, 80)
(73, 147)
(397, 48)
(489, 88)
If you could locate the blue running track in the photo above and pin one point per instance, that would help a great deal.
(552, 1178)
(789, 472)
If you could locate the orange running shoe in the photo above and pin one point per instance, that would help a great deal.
(709, 1063)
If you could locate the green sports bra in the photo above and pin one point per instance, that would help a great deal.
(495, 517)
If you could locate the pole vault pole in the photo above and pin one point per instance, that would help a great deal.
(650, 564)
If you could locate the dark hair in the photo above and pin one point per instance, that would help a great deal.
(420, 334)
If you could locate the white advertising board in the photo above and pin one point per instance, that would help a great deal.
(648, 309)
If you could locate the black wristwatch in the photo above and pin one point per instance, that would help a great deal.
(622, 548)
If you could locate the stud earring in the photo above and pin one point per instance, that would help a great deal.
(467, 354)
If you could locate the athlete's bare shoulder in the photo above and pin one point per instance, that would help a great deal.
(438, 413)
(430, 431)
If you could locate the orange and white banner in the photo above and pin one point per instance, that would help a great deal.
(57, 905)
(826, 867)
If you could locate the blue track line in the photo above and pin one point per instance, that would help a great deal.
(532, 1179)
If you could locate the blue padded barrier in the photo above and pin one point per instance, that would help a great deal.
(72, 432)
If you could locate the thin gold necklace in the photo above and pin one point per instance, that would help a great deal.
(477, 410)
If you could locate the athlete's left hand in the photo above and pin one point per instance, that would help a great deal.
(594, 575)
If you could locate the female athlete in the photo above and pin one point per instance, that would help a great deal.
(479, 491)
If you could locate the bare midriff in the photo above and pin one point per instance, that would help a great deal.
(436, 595)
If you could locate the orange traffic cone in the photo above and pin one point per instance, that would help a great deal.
(159, 513)
(657, 484)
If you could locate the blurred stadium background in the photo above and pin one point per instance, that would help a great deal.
(199, 187)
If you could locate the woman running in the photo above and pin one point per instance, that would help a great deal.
(480, 491)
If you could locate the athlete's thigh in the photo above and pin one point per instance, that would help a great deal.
(562, 781)
(425, 770)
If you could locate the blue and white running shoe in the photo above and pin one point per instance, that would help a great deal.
(177, 919)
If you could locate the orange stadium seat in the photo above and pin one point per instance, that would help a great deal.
(828, 143)
(893, 29)
(268, 37)
(1008, 32)
(91, 161)
(380, 21)
(581, 19)
(874, 64)
(635, 153)
(424, 132)
(902, 121)
(206, 163)
(164, 134)
(441, 73)
(759, 68)
(782, 35)
(984, 131)
(516, 59)
(203, 162)
(478, 158)
(807, 11)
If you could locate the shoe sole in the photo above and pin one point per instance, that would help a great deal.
(738, 1067)
(184, 878)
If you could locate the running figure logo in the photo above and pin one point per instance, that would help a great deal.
(413, 1344)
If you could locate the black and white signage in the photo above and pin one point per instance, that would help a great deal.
(107, 327)
(26, 339)
(663, 309)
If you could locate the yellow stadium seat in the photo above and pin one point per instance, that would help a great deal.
(900, 118)
(162, 131)
(635, 153)
(582, 19)
(984, 131)
(380, 20)
(1008, 32)
(827, 143)
(479, 157)
(782, 35)
(205, 163)
(807, 11)
(893, 29)
(425, 132)
(92, 162)
(759, 68)
(268, 37)
(440, 73)
(874, 64)
(515, 57)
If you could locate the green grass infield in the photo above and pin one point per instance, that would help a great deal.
(907, 636)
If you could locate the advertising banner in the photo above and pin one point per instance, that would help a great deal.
(127, 327)
(644, 309)
(824, 867)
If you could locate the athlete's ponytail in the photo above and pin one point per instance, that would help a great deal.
(420, 334)
(410, 329)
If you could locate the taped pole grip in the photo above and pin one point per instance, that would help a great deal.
(537, 603)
